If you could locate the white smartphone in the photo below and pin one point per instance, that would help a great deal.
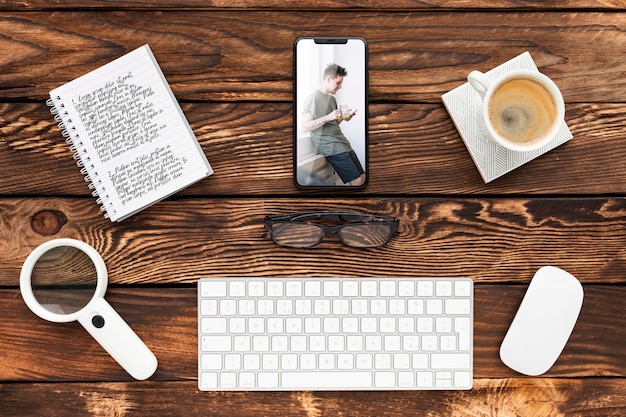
(330, 116)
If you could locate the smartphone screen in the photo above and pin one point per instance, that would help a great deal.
(330, 117)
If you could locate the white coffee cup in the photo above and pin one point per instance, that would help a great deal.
(522, 110)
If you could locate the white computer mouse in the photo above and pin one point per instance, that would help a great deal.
(543, 323)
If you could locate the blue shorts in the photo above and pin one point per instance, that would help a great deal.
(346, 165)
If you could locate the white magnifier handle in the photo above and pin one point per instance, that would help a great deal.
(118, 339)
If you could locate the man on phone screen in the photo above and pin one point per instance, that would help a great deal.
(322, 118)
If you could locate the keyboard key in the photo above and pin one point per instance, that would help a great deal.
(251, 361)
(237, 325)
(216, 343)
(364, 361)
(420, 361)
(289, 361)
(228, 380)
(261, 343)
(329, 380)
(457, 306)
(321, 307)
(331, 288)
(265, 308)
(256, 288)
(434, 307)
(406, 288)
(463, 289)
(237, 288)
(214, 325)
(284, 307)
(269, 361)
(308, 361)
(341, 307)
(406, 379)
(228, 307)
(450, 360)
(382, 361)
(242, 343)
(304, 307)
(294, 289)
(208, 307)
(247, 307)
(208, 380)
(462, 325)
(369, 288)
(268, 379)
(336, 343)
(425, 288)
(443, 288)
(354, 343)
(275, 288)
(350, 288)
(232, 361)
(327, 361)
(387, 288)
(312, 288)
(345, 361)
(425, 379)
(401, 361)
(385, 379)
(462, 379)
(212, 288)
(246, 380)
(211, 361)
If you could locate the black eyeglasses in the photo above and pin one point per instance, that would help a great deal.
(357, 230)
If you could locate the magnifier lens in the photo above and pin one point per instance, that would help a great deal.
(64, 280)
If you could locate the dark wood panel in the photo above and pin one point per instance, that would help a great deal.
(218, 55)
(593, 397)
(18, 5)
(165, 318)
(414, 149)
(176, 241)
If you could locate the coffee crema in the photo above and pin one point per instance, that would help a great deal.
(522, 110)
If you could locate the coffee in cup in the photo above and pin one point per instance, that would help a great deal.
(522, 110)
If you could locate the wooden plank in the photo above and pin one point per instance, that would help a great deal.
(165, 318)
(217, 55)
(490, 240)
(304, 5)
(592, 397)
(414, 149)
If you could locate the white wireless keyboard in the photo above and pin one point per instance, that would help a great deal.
(280, 334)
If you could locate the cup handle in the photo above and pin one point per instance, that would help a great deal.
(118, 339)
(479, 82)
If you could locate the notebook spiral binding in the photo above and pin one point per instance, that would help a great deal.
(87, 169)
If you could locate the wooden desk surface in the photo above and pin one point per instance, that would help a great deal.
(230, 65)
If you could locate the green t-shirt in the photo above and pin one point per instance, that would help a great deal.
(328, 138)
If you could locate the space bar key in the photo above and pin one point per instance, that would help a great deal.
(326, 380)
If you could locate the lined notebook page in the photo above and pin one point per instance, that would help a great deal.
(130, 133)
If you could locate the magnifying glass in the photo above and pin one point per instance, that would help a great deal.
(64, 280)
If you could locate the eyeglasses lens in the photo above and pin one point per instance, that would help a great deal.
(296, 235)
(365, 235)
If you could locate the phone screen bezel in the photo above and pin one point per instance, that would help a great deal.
(360, 69)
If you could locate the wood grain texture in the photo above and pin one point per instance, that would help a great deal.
(489, 240)
(230, 65)
(595, 397)
(165, 318)
(414, 150)
(218, 55)
(307, 5)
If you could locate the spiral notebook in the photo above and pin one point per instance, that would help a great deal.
(128, 134)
